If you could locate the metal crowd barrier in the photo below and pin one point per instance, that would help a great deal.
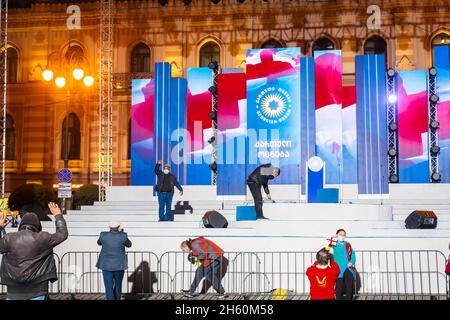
(379, 272)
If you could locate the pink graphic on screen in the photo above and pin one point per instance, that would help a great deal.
(199, 104)
(328, 104)
(142, 131)
(413, 126)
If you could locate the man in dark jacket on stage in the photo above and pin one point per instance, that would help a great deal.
(28, 263)
(165, 188)
(260, 178)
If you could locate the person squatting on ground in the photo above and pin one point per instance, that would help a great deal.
(210, 255)
(322, 276)
(113, 259)
(258, 179)
(166, 182)
(28, 264)
(344, 255)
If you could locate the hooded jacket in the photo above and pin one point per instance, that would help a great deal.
(28, 253)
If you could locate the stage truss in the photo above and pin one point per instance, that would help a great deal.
(3, 80)
(105, 97)
(392, 122)
(433, 99)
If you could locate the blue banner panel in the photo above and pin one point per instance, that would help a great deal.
(308, 111)
(177, 126)
(442, 64)
(371, 125)
(162, 100)
(273, 111)
(142, 133)
(231, 121)
(412, 95)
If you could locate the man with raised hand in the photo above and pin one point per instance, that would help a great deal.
(166, 182)
(28, 264)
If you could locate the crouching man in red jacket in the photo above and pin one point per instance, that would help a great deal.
(322, 276)
(210, 255)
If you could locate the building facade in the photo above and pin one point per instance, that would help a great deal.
(58, 36)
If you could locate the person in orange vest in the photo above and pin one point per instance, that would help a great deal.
(209, 256)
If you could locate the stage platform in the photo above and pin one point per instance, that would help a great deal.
(372, 224)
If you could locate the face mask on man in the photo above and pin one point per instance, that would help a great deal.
(166, 171)
(340, 238)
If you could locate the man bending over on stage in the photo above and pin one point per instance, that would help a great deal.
(257, 179)
(165, 188)
(211, 259)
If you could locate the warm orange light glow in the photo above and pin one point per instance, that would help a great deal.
(60, 82)
(78, 73)
(47, 75)
(88, 81)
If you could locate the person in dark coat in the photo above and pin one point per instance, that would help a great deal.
(113, 259)
(165, 188)
(258, 179)
(28, 263)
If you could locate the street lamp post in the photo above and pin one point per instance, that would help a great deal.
(76, 74)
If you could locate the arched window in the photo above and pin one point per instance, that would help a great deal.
(129, 140)
(12, 65)
(74, 54)
(375, 45)
(71, 134)
(140, 58)
(441, 39)
(323, 43)
(210, 51)
(271, 43)
(10, 138)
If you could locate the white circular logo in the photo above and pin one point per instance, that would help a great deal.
(273, 105)
(315, 164)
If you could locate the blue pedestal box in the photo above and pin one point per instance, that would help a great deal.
(328, 195)
(244, 213)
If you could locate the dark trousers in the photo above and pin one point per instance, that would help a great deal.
(113, 284)
(255, 189)
(345, 286)
(165, 205)
(220, 273)
(210, 273)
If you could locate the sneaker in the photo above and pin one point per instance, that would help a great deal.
(262, 218)
(222, 296)
(189, 294)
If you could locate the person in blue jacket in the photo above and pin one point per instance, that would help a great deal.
(113, 259)
(344, 256)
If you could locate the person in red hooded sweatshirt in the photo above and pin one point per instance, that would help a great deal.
(322, 276)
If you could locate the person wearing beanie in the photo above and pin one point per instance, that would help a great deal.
(113, 259)
(28, 264)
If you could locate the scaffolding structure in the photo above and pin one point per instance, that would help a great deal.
(105, 151)
(3, 81)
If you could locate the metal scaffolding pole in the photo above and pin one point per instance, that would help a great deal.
(105, 97)
(3, 80)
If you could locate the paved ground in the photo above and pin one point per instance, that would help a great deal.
(166, 296)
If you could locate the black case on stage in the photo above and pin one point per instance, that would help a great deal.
(213, 219)
(421, 219)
